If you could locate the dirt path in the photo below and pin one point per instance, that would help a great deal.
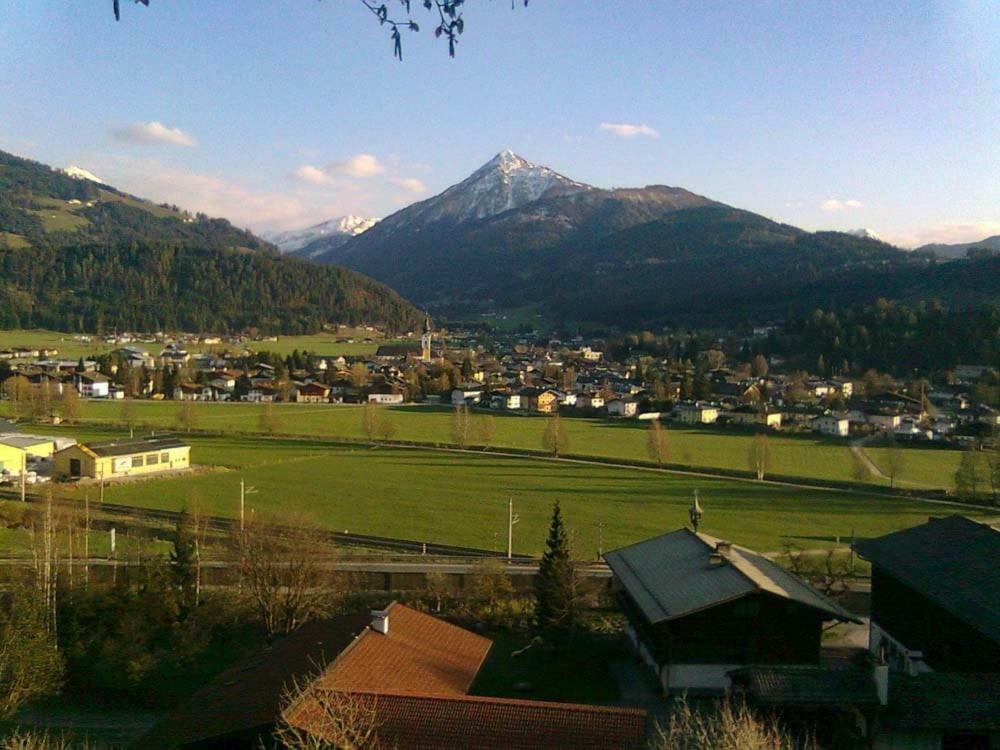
(858, 449)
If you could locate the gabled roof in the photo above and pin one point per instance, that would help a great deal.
(248, 696)
(953, 561)
(672, 576)
(419, 654)
(460, 722)
(139, 445)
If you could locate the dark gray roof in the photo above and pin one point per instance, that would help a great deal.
(807, 686)
(139, 445)
(953, 561)
(672, 575)
(943, 700)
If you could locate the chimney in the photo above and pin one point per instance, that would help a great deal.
(880, 673)
(723, 548)
(380, 621)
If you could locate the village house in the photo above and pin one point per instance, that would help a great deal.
(699, 608)
(837, 425)
(698, 412)
(753, 416)
(124, 458)
(412, 670)
(935, 623)
(92, 384)
(468, 394)
(311, 393)
(539, 400)
(623, 407)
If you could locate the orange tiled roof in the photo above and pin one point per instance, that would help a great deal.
(459, 722)
(419, 654)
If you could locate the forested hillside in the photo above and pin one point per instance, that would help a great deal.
(76, 255)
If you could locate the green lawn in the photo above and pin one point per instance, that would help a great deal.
(922, 467)
(461, 498)
(320, 343)
(806, 456)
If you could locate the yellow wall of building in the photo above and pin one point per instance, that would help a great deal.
(11, 458)
(114, 467)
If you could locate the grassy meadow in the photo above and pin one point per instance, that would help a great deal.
(321, 343)
(807, 456)
(461, 498)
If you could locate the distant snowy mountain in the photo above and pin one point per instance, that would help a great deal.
(864, 233)
(337, 231)
(79, 173)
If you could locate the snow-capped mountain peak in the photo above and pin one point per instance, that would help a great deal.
(79, 173)
(343, 227)
(505, 182)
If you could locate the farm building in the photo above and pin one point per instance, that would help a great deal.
(12, 458)
(700, 608)
(111, 460)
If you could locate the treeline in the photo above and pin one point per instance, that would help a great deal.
(147, 286)
(891, 337)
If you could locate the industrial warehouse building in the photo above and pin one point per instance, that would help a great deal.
(122, 458)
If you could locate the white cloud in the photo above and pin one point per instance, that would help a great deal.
(154, 132)
(836, 204)
(313, 175)
(410, 184)
(628, 130)
(359, 165)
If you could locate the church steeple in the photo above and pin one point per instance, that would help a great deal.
(425, 339)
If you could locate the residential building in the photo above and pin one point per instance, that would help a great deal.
(698, 412)
(92, 384)
(412, 670)
(623, 407)
(837, 425)
(699, 608)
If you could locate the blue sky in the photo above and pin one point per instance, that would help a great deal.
(283, 113)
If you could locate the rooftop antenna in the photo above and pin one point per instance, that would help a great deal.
(695, 512)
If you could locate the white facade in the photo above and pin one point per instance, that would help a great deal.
(831, 425)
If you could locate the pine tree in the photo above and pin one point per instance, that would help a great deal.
(557, 596)
(184, 559)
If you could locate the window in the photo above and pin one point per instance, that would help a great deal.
(137, 461)
(152, 459)
(164, 458)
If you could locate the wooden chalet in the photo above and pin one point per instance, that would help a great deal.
(699, 608)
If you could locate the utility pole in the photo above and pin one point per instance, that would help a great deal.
(102, 484)
(86, 540)
(24, 474)
(512, 518)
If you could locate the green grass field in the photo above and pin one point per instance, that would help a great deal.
(806, 456)
(461, 498)
(321, 343)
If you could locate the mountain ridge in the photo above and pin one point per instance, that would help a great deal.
(514, 234)
(76, 255)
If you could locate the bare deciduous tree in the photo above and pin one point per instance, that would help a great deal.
(658, 443)
(759, 456)
(315, 718)
(281, 567)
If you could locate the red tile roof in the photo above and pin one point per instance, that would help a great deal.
(435, 722)
(419, 654)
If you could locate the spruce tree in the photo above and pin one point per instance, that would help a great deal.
(556, 588)
(184, 559)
